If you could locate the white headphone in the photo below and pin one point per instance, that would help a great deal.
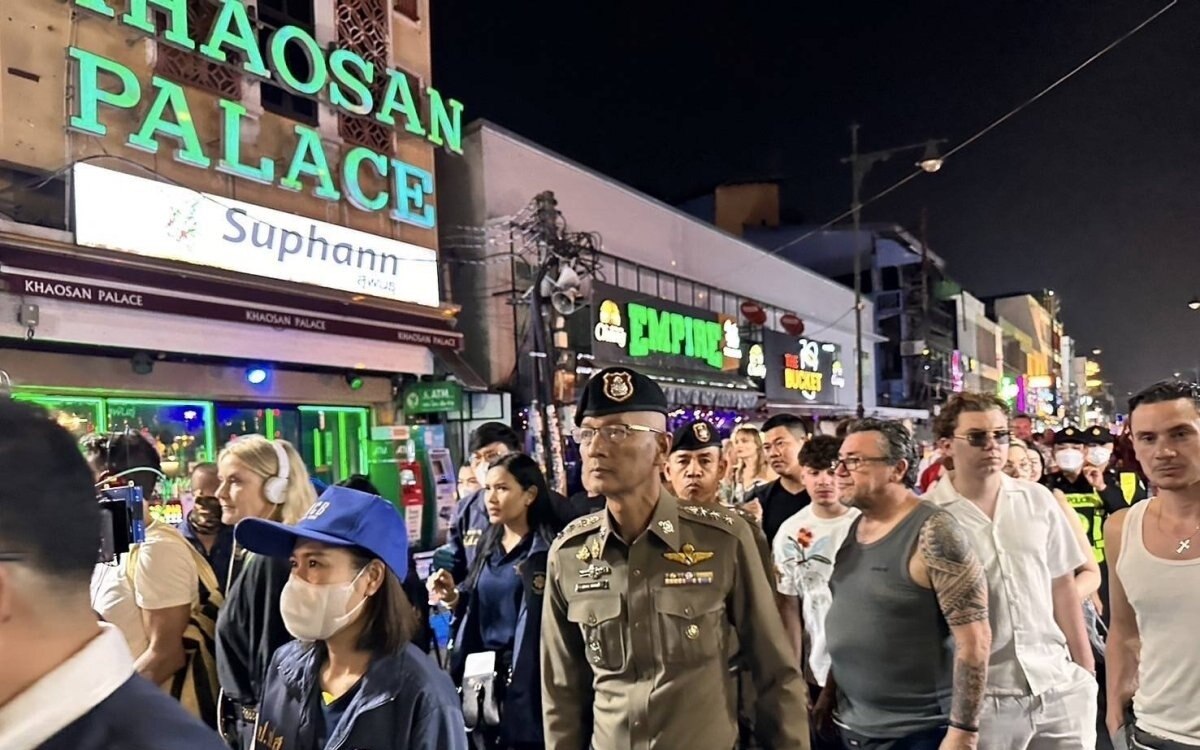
(275, 488)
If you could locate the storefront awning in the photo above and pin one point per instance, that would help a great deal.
(462, 371)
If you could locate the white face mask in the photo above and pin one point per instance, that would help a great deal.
(481, 475)
(1069, 460)
(313, 612)
(1099, 456)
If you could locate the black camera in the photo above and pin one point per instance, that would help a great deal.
(122, 524)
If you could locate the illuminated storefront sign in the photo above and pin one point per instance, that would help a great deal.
(801, 370)
(339, 77)
(145, 217)
(633, 329)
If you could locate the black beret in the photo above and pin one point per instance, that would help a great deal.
(1071, 435)
(619, 390)
(695, 436)
(1100, 435)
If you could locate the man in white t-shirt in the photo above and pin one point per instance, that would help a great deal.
(805, 549)
(1041, 689)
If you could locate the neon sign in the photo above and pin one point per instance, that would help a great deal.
(805, 370)
(340, 77)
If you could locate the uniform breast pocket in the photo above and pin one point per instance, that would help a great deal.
(691, 625)
(603, 630)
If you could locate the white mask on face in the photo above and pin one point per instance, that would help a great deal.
(1069, 460)
(1099, 456)
(313, 612)
(481, 474)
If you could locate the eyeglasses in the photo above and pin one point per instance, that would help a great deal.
(979, 438)
(613, 433)
(854, 463)
(489, 457)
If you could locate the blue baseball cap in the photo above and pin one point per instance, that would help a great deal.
(341, 517)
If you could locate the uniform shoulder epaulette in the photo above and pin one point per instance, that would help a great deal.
(581, 524)
(745, 515)
(713, 515)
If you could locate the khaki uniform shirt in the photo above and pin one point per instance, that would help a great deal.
(637, 640)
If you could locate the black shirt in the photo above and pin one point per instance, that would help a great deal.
(1092, 506)
(331, 713)
(250, 628)
(778, 505)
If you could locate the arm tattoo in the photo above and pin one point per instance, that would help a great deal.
(954, 570)
(970, 683)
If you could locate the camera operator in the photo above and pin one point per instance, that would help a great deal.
(162, 594)
(67, 681)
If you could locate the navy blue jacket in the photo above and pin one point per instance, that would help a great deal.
(521, 721)
(404, 702)
(137, 716)
(469, 522)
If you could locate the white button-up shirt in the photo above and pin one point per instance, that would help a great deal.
(65, 694)
(1023, 548)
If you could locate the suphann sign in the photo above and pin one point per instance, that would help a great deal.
(144, 217)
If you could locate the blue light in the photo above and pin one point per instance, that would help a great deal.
(257, 375)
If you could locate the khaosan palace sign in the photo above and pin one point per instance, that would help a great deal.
(344, 79)
(633, 329)
(803, 371)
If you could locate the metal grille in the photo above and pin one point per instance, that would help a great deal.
(193, 69)
(362, 26)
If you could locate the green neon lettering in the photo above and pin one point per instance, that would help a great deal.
(183, 129)
(639, 344)
(712, 346)
(138, 18)
(351, 172)
(91, 96)
(231, 147)
(97, 6)
(445, 127)
(411, 185)
(311, 50)
(309, 159)
(398, 87)
(232, 28)
(344, 80)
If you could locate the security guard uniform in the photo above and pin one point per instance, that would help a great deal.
(1092, 505)
(637, 637)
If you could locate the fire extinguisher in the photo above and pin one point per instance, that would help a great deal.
(412, 497)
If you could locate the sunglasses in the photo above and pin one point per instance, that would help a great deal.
(980, 438)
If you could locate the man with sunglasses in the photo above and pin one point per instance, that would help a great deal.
(1041, 686)
(907, 631)
(649, 602)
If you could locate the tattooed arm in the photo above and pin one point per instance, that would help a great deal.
(957, 578)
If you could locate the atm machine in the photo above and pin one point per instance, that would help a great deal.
(411, 464)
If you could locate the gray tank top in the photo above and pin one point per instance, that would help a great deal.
(892, 653)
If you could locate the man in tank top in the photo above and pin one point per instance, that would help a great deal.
(1154, 550)
(907, 632)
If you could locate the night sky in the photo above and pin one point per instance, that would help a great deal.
(1094, 191)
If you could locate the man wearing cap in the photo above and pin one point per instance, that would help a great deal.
(646, 600)
(1099, 455)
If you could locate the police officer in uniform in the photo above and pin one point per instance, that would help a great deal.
(646, 600)
(1086, 489)
(1099, 454)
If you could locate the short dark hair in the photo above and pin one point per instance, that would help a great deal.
(49, 516)
(130, 450)
(205, 466)
(946, 421)
(843, 427)
(494, 432)
(1021, 415)
(790, 422)
(896, 443)
(390, 621)
(360, 483)
(820, 452)
(1166, 390)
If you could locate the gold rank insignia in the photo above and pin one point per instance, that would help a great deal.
(596, 548)
(689, 556)
(702, 431)
(584, 554)
(700, 578)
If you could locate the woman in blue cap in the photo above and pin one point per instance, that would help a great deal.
(496, 652)
(352, 678)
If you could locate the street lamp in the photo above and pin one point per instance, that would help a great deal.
(1097, 352)
(1195, 303)
(860, 164)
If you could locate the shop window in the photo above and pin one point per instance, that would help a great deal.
(648, 282)
(666, 287)
(627, 276)
(193, 69)
(333, 441)
(275, 423)
(362, 26)
(181, 430)
(683, 292)
(607, 271)
(273, 14)
(701, 296)
(78, 415)
(410, 9)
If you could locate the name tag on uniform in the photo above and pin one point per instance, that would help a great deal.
(591, 586)
(690, 578)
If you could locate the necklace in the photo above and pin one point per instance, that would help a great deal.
(1184, 544)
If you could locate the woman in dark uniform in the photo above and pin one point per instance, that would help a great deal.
(266, 479)
(502, 607)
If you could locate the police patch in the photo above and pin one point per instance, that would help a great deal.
(618, 386)
(539, 584)
(703, 431)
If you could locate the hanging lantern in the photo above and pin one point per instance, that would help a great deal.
(792, 324)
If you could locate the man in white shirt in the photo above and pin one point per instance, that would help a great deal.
(1041, 690)
(804, 551)
(67, 682)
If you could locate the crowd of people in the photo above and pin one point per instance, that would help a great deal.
(783, 589)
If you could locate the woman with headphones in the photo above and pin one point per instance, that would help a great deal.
(265, 479)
